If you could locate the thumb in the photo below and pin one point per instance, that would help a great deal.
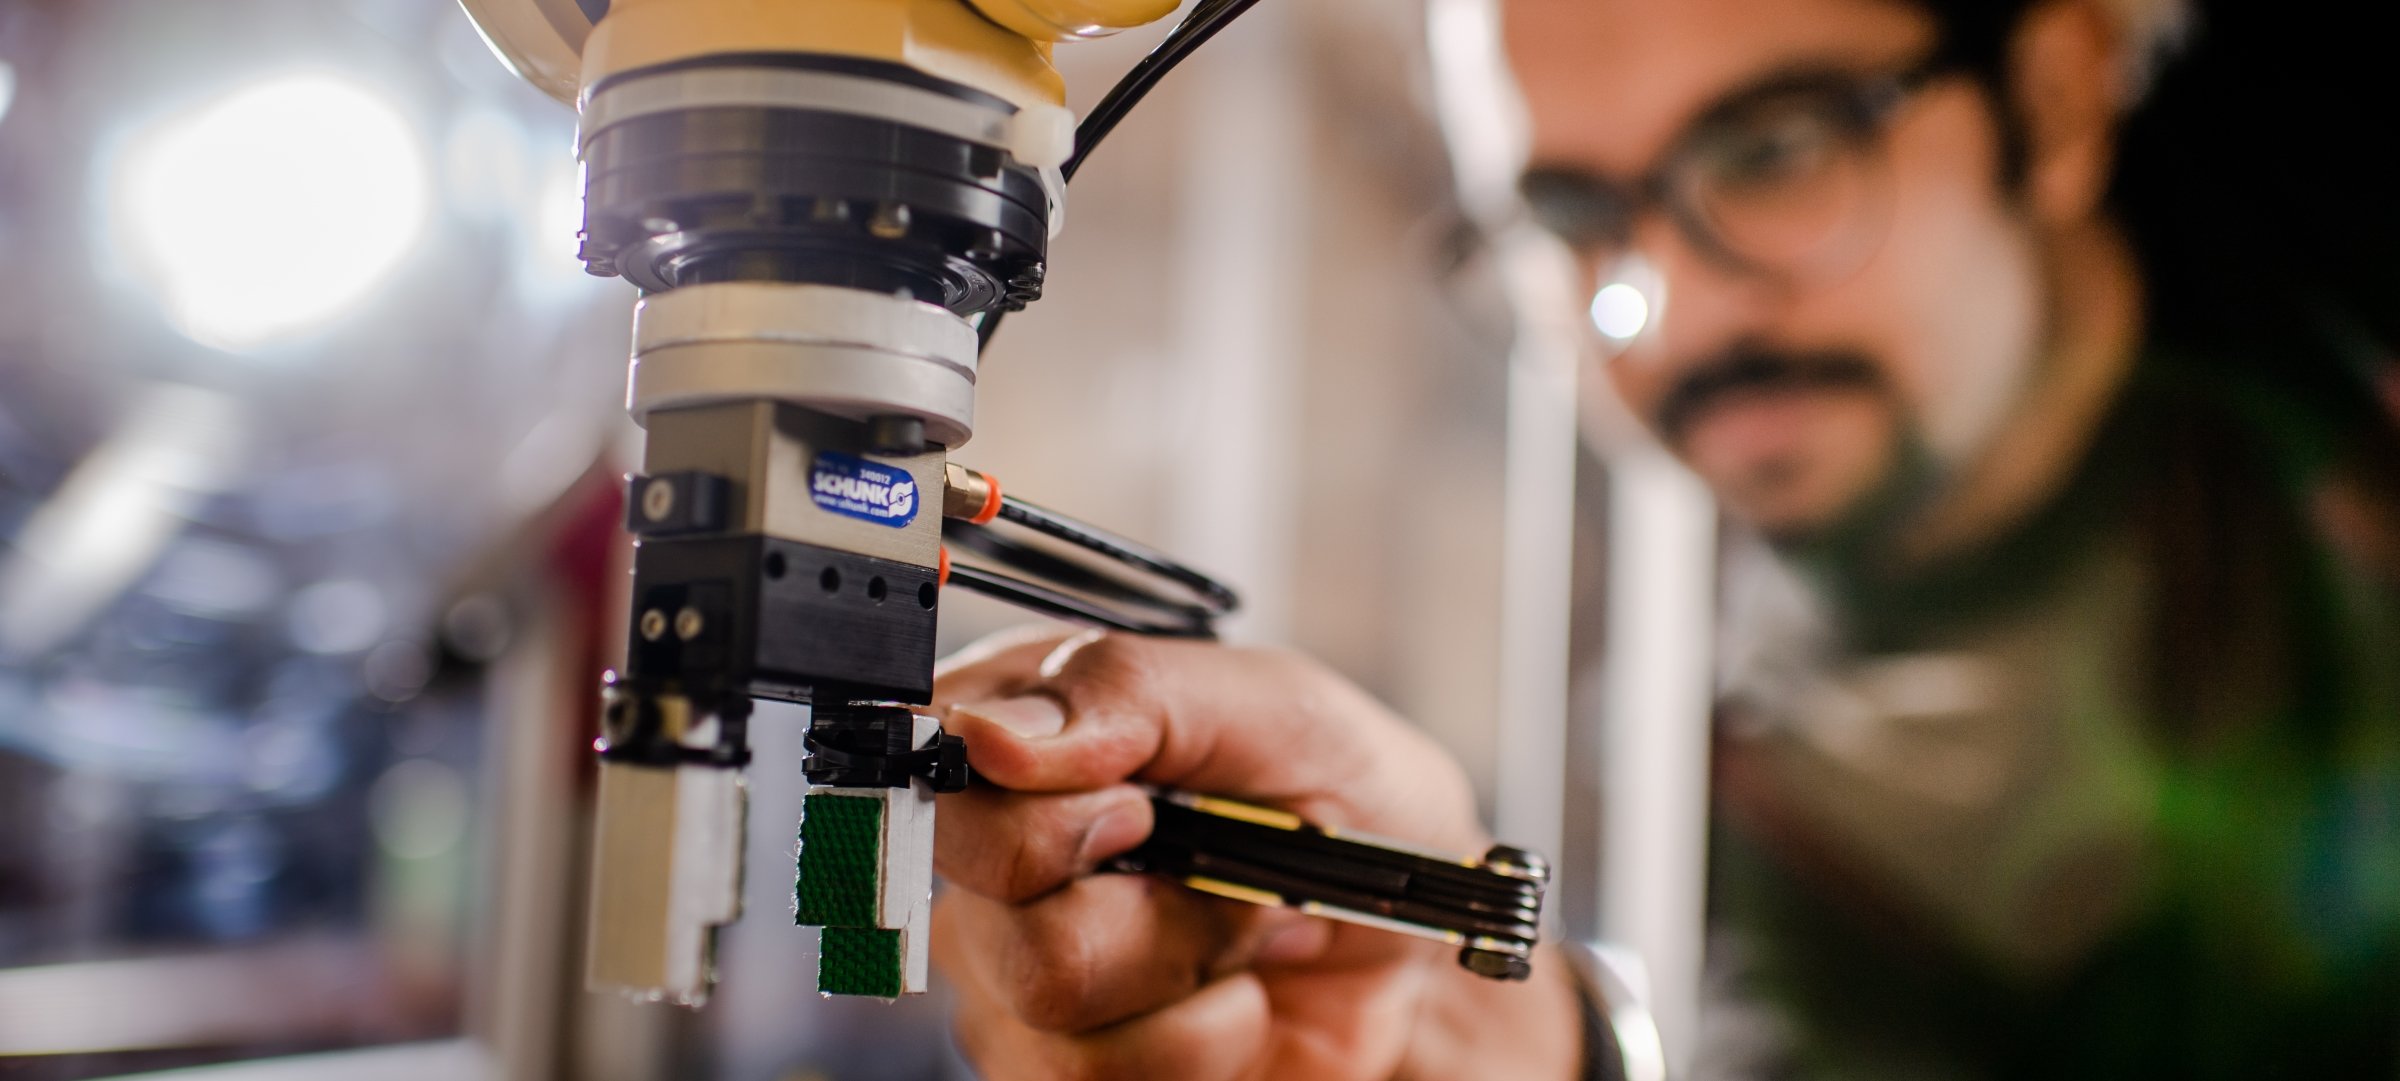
(1260, 725)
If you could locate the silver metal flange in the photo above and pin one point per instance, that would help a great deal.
(841, 351)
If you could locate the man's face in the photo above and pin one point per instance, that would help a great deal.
(1799, 391)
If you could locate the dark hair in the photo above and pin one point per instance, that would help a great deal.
(2261, 191)
(2258, 187)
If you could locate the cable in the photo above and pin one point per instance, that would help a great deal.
(1058, 586)
(1051, 602)
(1216, 598)
(1054, 570)
(1091, 590)
(1206, 18)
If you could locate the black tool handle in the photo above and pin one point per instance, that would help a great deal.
(1490, 908)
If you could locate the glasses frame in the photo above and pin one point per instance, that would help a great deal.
(1865, 105)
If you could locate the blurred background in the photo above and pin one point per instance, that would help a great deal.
(311, 433)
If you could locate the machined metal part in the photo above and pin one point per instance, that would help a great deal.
(766, 455)
(777, 618)
(840, 351)
(778, 557)
(781, 556)
(666, 873)
(967, 493)
(686, 183)
(627, 719)
(895, 434)
(683, 501)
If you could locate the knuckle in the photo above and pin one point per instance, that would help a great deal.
(1037, 856)
(1052, 975)
(1026, 871)
(1111, 684)
(1051, 997)
(1097, 657)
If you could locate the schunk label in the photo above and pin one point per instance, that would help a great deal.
(847, 484)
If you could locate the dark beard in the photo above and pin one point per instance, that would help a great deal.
(1863, 535)
(1862, 531)
(1752, 368)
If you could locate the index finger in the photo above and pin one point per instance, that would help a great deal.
(997, 665)
(1254, 724)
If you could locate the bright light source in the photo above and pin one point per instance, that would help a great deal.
(559, 219)
(1620, 311)
(269, 211)
(550, 266)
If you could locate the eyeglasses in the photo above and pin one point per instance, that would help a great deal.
(1786, 179)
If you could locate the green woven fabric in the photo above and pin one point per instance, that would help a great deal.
(840, 840)
(859, 961)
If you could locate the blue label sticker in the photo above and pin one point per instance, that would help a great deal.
(851, 485)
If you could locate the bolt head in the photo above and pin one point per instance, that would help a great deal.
(1494, 966)
(658, 500)
(688, 624)
(1518, 863)
(653, 625)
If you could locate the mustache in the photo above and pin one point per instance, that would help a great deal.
(1750, 369)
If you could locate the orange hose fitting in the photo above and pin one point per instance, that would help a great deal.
(991, 503)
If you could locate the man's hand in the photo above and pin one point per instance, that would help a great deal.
(1064, 974)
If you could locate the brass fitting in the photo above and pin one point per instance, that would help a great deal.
(968, 494)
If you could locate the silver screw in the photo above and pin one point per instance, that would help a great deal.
(890, 221)
(654, 625)
(658, 500)
(688, 624)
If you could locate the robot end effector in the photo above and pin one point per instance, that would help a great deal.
(816, 197)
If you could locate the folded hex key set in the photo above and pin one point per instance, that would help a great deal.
(1489, 907)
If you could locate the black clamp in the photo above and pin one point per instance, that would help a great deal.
(941, 763)
(874, 745)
